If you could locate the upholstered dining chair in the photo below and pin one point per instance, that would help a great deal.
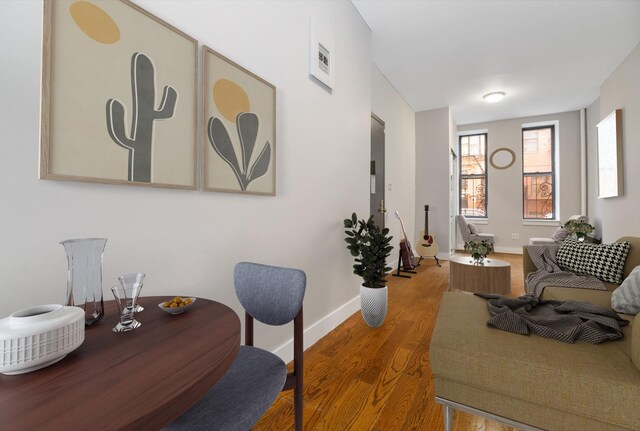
(272, 295)
(470, 232)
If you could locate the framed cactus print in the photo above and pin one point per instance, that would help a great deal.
(119, 96)
(239, 118)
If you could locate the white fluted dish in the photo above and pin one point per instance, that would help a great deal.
(37, 337)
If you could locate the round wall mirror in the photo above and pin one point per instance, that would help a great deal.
(502, 158)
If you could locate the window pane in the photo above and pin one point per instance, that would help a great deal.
(472, 197)
(537, 150)
(538, 196)
(473, 158)
(464, 147)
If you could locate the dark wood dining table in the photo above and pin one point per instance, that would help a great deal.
(136, 380)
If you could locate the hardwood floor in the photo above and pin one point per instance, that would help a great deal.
(359, 378)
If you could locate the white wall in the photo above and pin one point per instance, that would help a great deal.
(616, 217)
(433, 131)
(505, 185)
(453, 182)
(594, 207)
(400, 150)
(188, 242)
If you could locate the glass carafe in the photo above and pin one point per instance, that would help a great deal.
(84, 278)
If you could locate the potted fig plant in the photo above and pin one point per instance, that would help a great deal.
(369, 245)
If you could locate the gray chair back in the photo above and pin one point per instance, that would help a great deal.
(463, 225)
(271, 294)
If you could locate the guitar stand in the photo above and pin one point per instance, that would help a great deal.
(397, 274)
(437, 261)
(435, 257)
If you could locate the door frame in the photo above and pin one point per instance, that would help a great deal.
(384, 157)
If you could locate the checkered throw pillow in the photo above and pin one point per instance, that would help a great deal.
(604, 261)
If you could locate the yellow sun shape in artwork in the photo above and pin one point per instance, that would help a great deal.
(230, 99)
(95, 22)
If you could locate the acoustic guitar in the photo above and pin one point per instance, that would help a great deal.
(426, 246)
(408, 258)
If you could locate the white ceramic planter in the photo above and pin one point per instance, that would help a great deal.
(35, 337)
(373, 305)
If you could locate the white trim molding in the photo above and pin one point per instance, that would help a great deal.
(526, 222)
(556, 157)
(319, 329)
(472, 132)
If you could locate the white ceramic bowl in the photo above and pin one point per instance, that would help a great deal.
(177, 310)
(36, 337)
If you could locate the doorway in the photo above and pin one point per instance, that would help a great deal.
(453, 200)
(376, 200)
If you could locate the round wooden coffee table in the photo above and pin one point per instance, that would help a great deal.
(494, 276)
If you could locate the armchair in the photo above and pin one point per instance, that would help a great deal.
(470, 231)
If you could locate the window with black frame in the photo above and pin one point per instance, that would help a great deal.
(538, 173)
(473, 175)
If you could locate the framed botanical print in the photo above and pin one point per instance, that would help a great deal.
(239, 117)
(119, 102)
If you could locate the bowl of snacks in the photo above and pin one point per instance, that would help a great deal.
(177, 305)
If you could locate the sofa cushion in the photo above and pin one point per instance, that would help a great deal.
(474, 229)
(633, 258)
(626, 298)
(598, 297)
(635, 342)
(599, 382)
(605, 261)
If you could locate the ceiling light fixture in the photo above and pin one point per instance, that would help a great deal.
(494, 97)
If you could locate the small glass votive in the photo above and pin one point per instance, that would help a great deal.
(127, 280)
(126, 298)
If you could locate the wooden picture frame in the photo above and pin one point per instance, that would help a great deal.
(239, 121)
(321, 53)
(119, 96)
(502, 158)
(610, 181)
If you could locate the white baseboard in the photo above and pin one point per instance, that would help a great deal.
(511, 250)
(498, 249)
(320, 328)
(444, 255)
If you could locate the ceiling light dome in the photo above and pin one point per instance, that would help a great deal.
(494, 97)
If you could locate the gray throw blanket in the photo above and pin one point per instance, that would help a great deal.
(550, 274)
(566, 321)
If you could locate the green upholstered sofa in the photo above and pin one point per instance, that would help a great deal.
(531, 382)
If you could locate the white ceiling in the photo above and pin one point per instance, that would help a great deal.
(548, 56)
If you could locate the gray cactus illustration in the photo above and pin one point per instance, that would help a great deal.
(143, 96)
(247, 124)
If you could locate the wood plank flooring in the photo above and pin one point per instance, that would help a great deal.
(359, 378)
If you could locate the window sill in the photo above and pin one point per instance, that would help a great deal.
(541, 223)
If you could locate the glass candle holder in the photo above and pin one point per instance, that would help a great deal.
(128, 280)
(126, 299)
